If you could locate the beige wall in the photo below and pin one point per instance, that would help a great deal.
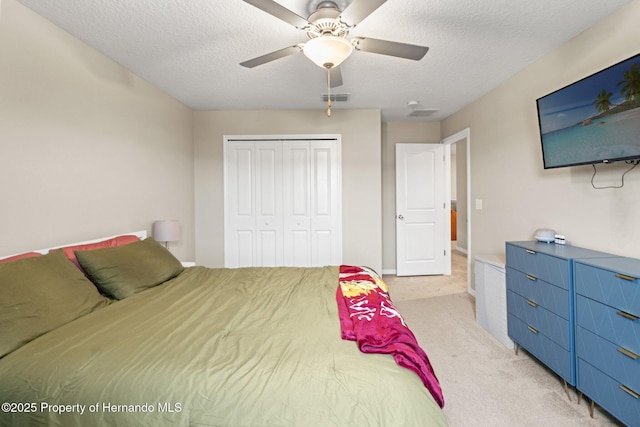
(361, 174)
(518, 195)
(393, 133)
(87, 149)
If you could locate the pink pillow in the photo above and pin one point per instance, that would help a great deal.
(109, 243)
(24, 255)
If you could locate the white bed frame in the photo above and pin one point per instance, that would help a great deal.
(142, 234)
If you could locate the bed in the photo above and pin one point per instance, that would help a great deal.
(125, 335)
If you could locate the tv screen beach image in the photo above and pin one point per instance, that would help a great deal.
(594, 120)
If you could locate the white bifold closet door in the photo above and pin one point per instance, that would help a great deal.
(282, 203)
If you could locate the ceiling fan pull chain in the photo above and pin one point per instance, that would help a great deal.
(328, 92)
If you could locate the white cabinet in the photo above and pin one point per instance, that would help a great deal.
(491, 296)
(282, 202)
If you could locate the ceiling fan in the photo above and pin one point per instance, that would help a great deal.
(327, 28)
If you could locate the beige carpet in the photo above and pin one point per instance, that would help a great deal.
(416, 287)
(484, 383)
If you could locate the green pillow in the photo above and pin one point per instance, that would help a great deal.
(125, 270)
(40, 294)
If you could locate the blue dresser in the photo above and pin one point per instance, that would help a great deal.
(607, 308)
(540, 301)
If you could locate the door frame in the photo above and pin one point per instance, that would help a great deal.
(465, 136)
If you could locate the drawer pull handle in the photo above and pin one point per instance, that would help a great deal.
(627, 315)
(625, 277)
(628, 353)
(532, 304)
(529, 251)
(628, 390)
(532, 329)
(532, 278)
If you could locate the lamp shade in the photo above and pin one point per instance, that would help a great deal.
(327, 51)
(166, 230)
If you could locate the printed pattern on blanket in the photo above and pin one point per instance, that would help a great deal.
(368, 317)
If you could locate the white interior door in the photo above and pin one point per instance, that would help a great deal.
(422, 212)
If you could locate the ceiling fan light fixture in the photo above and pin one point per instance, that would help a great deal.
(327, 51)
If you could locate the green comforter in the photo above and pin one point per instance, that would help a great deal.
(213, 347)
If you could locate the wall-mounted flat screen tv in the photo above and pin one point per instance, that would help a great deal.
(594, 120)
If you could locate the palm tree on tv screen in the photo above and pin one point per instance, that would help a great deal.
(631, 83)
(603, 101)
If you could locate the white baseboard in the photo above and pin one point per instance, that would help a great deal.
(463, 250)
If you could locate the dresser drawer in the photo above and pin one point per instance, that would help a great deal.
(542, 266)
(616, 398)
(616, 361)
(542, 320)
(551, 297)
(548, 352)
(613, 325)
(618, 290)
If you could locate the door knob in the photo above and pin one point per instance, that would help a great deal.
(400, 217)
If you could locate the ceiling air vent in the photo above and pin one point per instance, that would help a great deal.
(336, 97)
(422, 113)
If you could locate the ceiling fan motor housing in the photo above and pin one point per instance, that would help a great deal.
(314, 5)
(324, 21)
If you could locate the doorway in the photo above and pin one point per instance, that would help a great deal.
(462, 141)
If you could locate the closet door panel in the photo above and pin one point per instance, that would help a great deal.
(297, 200)
(240, 208)
(267, 254)
(299, 253)
(322, 249)
(321, 182)
(297, 184)
(324, 204)
(244, 257)
(268, 197)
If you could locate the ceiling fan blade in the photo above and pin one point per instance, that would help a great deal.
(290, 50)
(280, 12)
(385, 47)
(358, 10)
(336, 76)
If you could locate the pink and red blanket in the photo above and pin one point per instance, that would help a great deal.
(368, 317)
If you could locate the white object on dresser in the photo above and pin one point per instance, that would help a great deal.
(491, 296)
(545, 235)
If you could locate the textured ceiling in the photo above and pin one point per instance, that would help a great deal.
(191, 49)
